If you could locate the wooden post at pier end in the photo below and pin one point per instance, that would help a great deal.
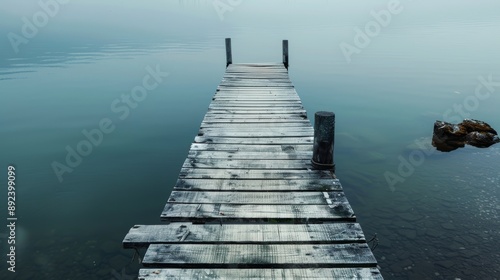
(229, 58)
(324, 138)
(285, 53)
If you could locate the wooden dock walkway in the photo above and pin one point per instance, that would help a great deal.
(248, 203)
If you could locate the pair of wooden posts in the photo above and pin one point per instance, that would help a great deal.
(229, 57)
(324, 124)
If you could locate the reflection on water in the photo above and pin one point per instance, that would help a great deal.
(439, 222)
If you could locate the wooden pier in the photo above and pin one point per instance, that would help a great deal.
(249, 203)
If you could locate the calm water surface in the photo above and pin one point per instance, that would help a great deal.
(437, 217)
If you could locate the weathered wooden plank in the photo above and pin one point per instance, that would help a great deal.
(258, 185)
(254, 98)
(263, 128)
(253, 109)
(256, 76)
(248, 76)
(256, 91)
(199, 173)
(266, 104)
(253, 93)
(246, 70)
(258, 73)
(285, 116)
(268, 109)
(271, 273)
(334, 233)
(207, 122)
(255, 69)
(275, 71)
(267, 65)
(259, 65)
(257, 155)
(276, 164)
(263, 99)
(259, 198)
(256, 125)
(258, 256)
(262, 213)
(255, 83)
(251, 148)
(258, 131)
(270, 87)
(256, 80)
(256, 107)
(247, 112)
(259, 69)
(251, 141)
(272, 70)
(243, 83)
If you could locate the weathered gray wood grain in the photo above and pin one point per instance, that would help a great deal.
(254, 155)
(253, 94)
(284, 116)
(198, 173)
(249, 91)
(257, 132)
(255, 125)
(331, 198)
(256, 110)
(256, 100)
(254, 141)
(278, 122)
(261, 80)
(268, 274)
(255, 105)
(334, 233)
(251, 213)
(247, 112)
(257, 185)
(261, 86)
(271, 148)
(258, 256)
(229, 163)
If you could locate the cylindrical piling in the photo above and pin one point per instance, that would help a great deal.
(285, 53)
(229, 58)
(324, 138)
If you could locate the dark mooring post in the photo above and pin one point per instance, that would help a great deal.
(285, 53)
(324, 138)
(229, 58)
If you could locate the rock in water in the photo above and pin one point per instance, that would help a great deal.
(448, 137)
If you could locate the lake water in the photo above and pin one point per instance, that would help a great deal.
(436, 215)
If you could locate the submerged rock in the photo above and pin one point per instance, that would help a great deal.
(448, 137)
